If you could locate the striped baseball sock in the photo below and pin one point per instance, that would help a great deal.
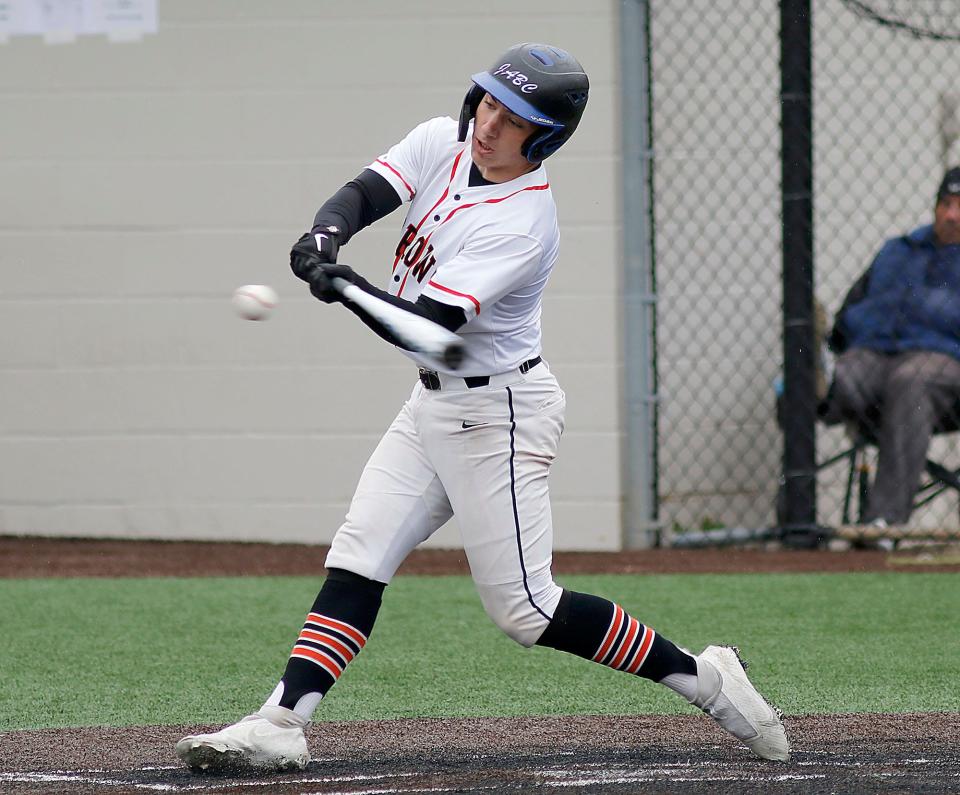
(336, 629)
(604, 632)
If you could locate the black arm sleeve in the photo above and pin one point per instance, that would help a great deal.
(837, 341)
(358, 204)
(450, 317)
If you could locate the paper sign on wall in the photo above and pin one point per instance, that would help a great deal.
(61, 21)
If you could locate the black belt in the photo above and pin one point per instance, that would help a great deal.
(431, 380)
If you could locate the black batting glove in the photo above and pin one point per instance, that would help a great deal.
(321, 281)
(314, 249)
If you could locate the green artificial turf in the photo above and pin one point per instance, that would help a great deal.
(77, 652)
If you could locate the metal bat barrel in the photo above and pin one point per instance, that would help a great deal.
(416, 333)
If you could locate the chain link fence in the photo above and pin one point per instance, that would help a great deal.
(885, 126)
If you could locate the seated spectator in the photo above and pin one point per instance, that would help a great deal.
(898, 339)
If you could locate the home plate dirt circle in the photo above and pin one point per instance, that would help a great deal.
(917, 753)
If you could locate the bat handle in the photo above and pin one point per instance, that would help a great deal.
(342, 286)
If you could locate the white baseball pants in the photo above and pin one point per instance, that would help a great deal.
(483, 454)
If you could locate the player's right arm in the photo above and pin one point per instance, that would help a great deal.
(376, 192)
(359, 203)
(387, 182)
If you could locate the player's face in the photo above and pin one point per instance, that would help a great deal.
(498, 135)
(946, 220)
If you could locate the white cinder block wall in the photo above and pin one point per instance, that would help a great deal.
(141, 182)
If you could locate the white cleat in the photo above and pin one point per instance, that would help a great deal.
(254, 744)
(726, 695)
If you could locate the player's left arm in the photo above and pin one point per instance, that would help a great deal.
(356, 205)
(376, 192)
(486, 269)
(446, 315)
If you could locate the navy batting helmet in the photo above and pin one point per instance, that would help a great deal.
(542, 84)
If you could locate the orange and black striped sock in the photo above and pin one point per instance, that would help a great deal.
(335, 630)
(604, 632)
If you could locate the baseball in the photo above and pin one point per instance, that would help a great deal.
(254, 301)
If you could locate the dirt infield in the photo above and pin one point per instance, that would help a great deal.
(52, 557)
(832, 754)
(917, 753)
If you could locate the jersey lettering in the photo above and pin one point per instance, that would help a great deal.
(423, 267)
(413, 252)
(416, 254)
(409, 235)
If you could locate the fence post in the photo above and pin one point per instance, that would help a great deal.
(799, 401)
(639, 449)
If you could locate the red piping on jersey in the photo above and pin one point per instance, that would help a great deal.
(476, 303)
(399, 175)
(455, 210)
(453, 173)
(449, 216)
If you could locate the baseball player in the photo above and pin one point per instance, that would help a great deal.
(477, 246)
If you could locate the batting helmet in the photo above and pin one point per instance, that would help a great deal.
(541, 84)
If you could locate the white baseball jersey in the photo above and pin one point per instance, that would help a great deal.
(488, 249)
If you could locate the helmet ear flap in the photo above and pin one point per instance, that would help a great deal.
(550, 146)
(470, 104)
(541, 144)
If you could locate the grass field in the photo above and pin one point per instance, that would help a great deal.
(86, 652)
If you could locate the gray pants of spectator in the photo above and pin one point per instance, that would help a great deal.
(911, 391)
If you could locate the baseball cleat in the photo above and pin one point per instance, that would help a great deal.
(252, 744)
(726, 695)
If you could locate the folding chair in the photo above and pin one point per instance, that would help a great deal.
(939, 478)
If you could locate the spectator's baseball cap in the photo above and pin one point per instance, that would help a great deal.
(950, 185)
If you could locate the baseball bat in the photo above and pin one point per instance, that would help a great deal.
(416, 333)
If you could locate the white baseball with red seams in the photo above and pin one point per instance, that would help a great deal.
(255, 301)
(488, 249)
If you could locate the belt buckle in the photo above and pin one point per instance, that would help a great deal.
(528, 365)
(429, 378)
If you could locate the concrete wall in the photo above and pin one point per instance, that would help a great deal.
(142, 182)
